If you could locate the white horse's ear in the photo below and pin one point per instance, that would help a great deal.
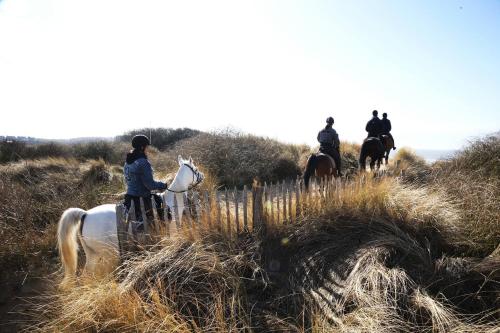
(179, 159)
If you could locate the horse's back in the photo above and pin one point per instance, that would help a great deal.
(372, 147)
(387, 142)
(100, 223)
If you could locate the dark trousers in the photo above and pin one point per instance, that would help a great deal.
(148, 207)
(334, 153)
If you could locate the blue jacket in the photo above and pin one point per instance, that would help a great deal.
(139, 176)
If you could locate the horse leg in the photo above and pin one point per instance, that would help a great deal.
(387, 157)
(372, 164)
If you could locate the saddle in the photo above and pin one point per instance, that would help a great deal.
(332, 161)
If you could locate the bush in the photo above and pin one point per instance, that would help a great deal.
(110, 152)
(11, 151)
(236, 159)
(161, 138)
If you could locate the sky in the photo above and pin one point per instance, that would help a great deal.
(274, 68)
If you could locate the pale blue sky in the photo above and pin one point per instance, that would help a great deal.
(275, 68)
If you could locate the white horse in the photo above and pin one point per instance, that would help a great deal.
(97, 228)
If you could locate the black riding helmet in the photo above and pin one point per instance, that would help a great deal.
(375, 113)
(384, 115)
(329, 120)
(140, 141)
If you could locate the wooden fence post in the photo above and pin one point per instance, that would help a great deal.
(197, 201)
(264, 196)
(297, 199)
(154, 223)
(283, 188)
(271, 201)
(257, 220)
(208, 209)
(228, 213)
(245, 208)
(187, 209)
(236, 211)
(217, 203)
(278, 220)
(132, 217)
(144, 216)
(121, 230)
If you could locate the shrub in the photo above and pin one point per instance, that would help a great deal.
(11, 151)
(161, 138)
(111, 152)
(236, 159)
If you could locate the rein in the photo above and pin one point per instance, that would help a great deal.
(197, 179)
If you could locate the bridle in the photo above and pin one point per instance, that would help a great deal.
(197, 179)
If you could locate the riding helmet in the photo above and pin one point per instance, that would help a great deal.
(384, 115)
(140, 141)
(329, 120)
(375, 113)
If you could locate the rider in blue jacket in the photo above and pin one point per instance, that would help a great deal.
(139, 177)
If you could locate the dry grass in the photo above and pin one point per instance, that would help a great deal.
(380, 255)
(471, 180)
(370, 258)
(33, 194)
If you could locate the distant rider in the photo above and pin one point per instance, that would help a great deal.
(374, 125)
(330, 143)
(386, 128)
(139, 178)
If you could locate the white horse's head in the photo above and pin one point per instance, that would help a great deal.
(188, 174)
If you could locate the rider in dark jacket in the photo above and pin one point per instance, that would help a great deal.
(386, 128)
(330, 143)
(374, 125)
(139, 177)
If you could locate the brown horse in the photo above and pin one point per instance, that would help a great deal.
(372, 147)
(388, 143)
(321, 166)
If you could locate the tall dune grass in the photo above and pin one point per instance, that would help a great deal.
(374, 257)
(33, 194)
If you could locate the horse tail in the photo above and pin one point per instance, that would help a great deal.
(362, 156)
(67, 244)
(310, 169)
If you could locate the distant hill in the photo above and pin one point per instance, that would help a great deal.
(33, 140)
